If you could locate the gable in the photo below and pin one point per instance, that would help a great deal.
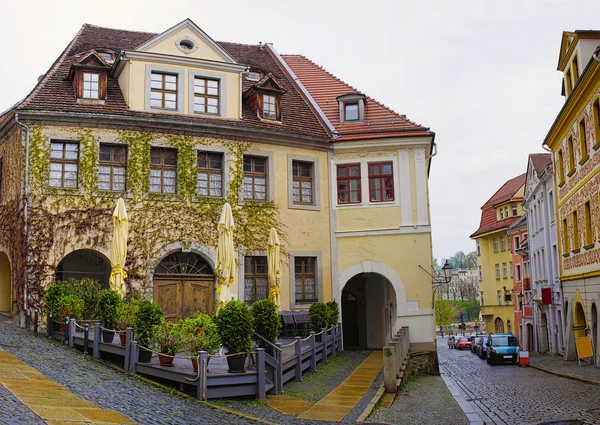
(203, 47)
(565, 46)
(532, 179)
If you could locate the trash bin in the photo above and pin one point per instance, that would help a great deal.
(523, 358)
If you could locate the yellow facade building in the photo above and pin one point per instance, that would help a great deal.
(494, 256)
(177, 124)
(574, 140)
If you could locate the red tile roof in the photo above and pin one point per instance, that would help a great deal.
(489, 220)
(55, 92)
(540, 161)
(379, 120)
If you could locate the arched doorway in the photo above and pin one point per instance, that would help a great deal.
(84, 263)
(579, 322)
(529, 337)
(368, 311)
(544, 331)
(5, 284)
(183, 285)
(499, 325)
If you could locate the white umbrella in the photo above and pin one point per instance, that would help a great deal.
(273, 258)
(118, 249)
(225, 256)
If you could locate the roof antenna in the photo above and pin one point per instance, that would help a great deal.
(260, 45)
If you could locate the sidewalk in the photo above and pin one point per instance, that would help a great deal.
(556, 365)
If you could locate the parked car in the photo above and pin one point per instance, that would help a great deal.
(476, 344)
(451, 341)
(462, 342)
(502, 348)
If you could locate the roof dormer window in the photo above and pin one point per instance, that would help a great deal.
(269, 108)
(90, 85)
(352, 107)
(351, 112)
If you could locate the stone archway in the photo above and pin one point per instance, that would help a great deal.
(5, 284)
(84, 263)
(499, 326)
(368, 311)
(183, 284)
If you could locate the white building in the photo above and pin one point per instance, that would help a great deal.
(548, 318)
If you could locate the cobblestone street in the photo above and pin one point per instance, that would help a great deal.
(507, 394)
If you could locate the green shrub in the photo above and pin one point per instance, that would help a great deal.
(200, 333)
(126, 313)
(334, 313)
(147, 317)
(266, 321)
(235, 326)
(109, 302)
(89, 291)
(167, 338)
(318, 314)
(69, 306)
(53, 298)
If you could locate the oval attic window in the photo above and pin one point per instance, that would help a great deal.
(186, 45)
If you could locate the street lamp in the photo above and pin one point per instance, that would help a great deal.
(439, 280)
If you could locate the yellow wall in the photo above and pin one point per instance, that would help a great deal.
(137, 87)
(376, 218)
(304, 230)
(168, 47)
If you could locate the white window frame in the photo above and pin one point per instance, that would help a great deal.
(91, 91)
(316, 205)
(478, 246)
(504, 271)
(480, 273)
(180, 88)
(318, 277)
(226, 165)
(497, 271)
(241, 271)
(222, 78)
(518, 273)
(270, 176)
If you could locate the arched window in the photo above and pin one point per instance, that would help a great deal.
(184, 263)
(84, 263)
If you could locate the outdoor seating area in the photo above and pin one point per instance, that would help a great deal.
(266, 372)
(295, 323)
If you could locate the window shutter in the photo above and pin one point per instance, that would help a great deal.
(102, 82)
(259, 105)
(78, 84)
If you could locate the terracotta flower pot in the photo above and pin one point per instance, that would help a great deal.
(63, 326)
(165, 360)
(195, 363)
(123, 338)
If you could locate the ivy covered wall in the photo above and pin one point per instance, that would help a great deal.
(63, 220)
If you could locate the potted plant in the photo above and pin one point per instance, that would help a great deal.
(53, 297)
(334, 313)
(266, 322)
(318, 314)
(126, 317)
(234, 322)
(147, 316)
(108, 303)
(199, 333)
(168, 340)
(69, 306)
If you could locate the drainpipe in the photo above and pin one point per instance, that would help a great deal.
(25, 204)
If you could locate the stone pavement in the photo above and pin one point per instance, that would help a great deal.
(508, 394)
(49, 400)
(555, 364)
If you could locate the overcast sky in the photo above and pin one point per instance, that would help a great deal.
(482, 74)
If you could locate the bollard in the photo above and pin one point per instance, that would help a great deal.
(389, 369)
(35, 320)
(72, 330)
(202, 360)
(260, 374)
(66, 335)
(27, 320)
(313, 352)
(86, 337)
(298, 349)
(341, 332)
(135, 355)
(49, 326)
(97, 340)
(128, 339)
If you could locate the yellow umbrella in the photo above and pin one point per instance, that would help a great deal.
(273, 258)
(118, 249)
(225, 256)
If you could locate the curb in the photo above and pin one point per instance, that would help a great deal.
(566, 375)
(378, 395)
(468, 408)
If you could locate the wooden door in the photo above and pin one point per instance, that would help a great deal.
(167, 294)
(198, 295)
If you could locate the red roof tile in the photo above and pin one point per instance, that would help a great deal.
(379, 120)
(489, 220)
(56, 93)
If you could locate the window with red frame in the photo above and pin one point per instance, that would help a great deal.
(381, 182)
(348, 183)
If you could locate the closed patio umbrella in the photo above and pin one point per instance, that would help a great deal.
(118, 249)
(274, 260)
(225, 256)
